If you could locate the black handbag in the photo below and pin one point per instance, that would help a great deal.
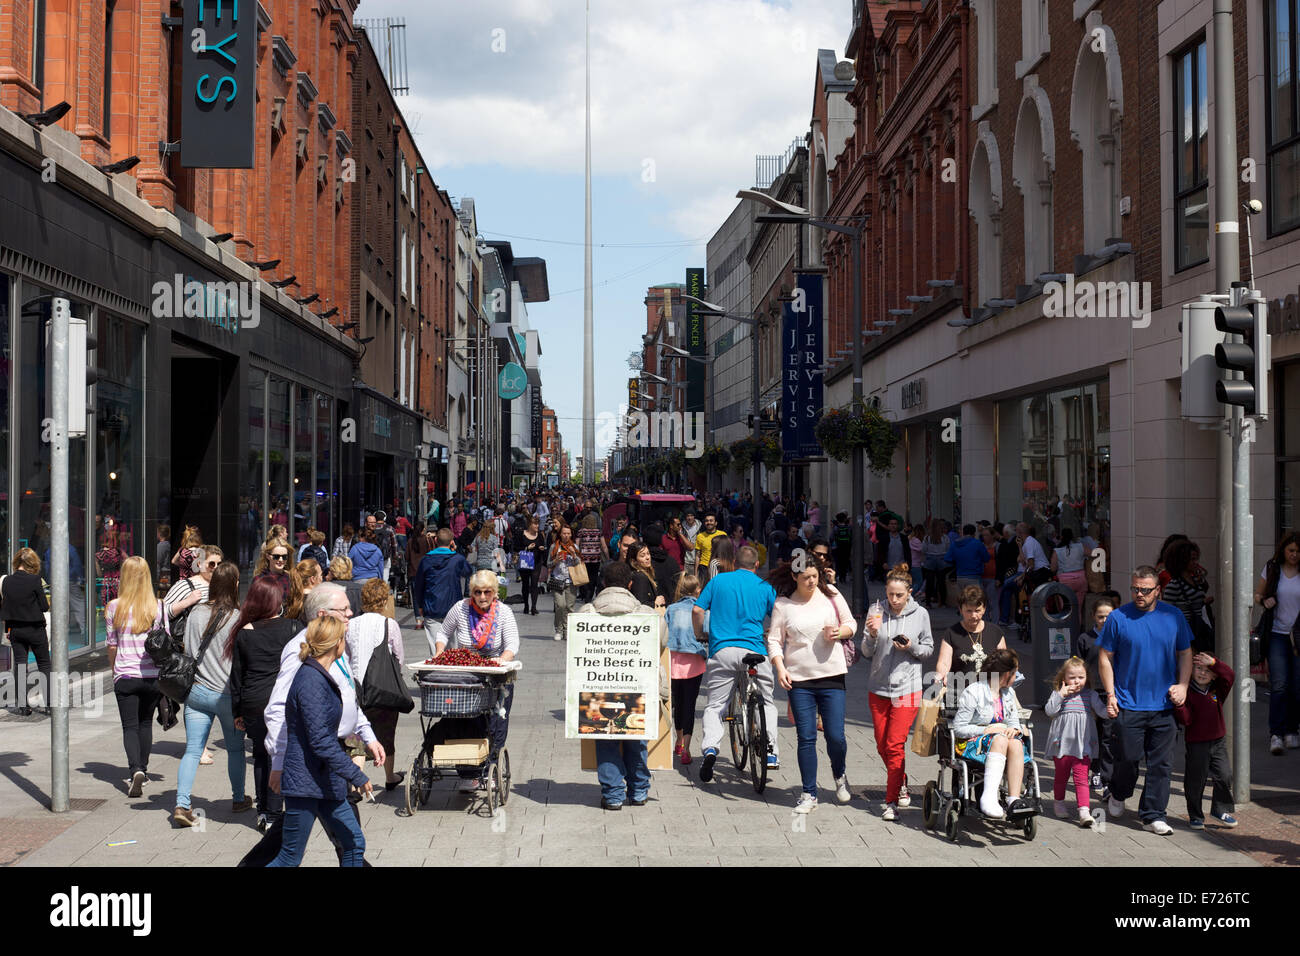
(176, 673)
(383, 687)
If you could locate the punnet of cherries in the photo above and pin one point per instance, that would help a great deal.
(459, 657)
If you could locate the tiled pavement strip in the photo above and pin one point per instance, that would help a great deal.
(553, 815)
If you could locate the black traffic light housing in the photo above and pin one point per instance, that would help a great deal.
(1250, 356)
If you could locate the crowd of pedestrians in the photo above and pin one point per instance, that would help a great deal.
(287, 664)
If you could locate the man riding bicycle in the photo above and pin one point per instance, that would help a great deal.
(738, 602)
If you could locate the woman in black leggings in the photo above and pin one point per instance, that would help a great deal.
(688, 656)
(532, 543)
(23, 606)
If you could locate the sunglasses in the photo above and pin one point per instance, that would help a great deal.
(278, 557)
(1144, 591)
(484, 591)
(212, 565)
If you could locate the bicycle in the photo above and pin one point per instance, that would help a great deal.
(746, 720)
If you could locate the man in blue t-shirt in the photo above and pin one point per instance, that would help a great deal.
(968, 555)
(738, 602)
(1145, 665)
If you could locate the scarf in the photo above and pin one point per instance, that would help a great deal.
(483, 627)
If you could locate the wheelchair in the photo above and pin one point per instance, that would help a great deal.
(949, 806)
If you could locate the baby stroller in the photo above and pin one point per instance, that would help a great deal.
(948, 806)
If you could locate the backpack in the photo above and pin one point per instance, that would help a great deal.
(843, 534)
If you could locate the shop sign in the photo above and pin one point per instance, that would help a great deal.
(913, 393)
(695, 343)
(219, 84)
(512, 382)
(801, 370)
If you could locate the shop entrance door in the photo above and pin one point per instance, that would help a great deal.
(200, 383)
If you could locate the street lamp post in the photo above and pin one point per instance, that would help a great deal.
(785, 212)
(709, 308)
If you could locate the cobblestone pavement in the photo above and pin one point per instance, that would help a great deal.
(553, 815)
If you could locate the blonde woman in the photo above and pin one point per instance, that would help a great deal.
(341, 573)
(366, 633)
(184, 558)
(129, 617)
(304, 576)
(316, 769)
(23, 605)
(274, 562)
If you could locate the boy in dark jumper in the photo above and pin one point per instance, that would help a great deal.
(1202, 715)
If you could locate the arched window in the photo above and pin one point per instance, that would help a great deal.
(1096, 107)
(986, 210)
(1032, 166)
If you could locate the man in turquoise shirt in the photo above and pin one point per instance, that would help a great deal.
(738, 602)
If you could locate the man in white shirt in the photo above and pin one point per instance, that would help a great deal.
(324, 600)
(1032, 557)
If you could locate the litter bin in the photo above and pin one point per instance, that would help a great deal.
(1054, 627)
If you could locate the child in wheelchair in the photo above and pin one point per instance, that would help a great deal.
(990, 742)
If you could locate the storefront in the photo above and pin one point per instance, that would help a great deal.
(385, 458)
(200, 416)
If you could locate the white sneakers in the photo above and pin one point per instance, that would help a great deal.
(1292, 741)
(1115, 807)
(137, 783)
(904, 798)
(1158, 827)
(558, 636)
(842, 793)
(1085, 818)
(807, 803)
(888, 811)
(1275, 746)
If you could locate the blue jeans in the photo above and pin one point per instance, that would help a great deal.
(806, 703)
(618, 761)
(1010, 588)
(1283, 686)
(202, 707)
(336, 816)
(1150, 734)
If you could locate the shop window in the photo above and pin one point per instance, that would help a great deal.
(326, 486)
(277, 454)
(5, 350)
(32, 479)
(119, 453)
(1287, 383)
(252, 499)
(303, 432)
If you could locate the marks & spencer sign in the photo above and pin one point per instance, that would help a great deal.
(219, 77)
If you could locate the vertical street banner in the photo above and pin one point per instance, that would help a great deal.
(537, 418)
(219, 84)
(695, 343)
(612, 685)
(801, 370)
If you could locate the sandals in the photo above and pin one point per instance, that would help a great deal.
(206, 760)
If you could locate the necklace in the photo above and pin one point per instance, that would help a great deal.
(976, 655)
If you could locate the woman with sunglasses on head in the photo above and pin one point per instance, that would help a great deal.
(274, 564)
(484, 624)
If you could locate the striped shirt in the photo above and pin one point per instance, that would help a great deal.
(132, 660)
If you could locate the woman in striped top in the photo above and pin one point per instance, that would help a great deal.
(1187, 591)
(130, 617)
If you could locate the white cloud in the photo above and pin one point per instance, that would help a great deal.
(698, 86)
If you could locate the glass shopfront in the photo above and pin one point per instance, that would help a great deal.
(932, 451)
(290, 474)
(1053, 455)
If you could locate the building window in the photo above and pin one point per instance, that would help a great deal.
(326, 493)
(1191, 158)
(108, 69)
(38, 48)
(1096, 108)
(1286, 380)
(986, 210)
(986, 55)
(304, 431)
(1034, 39)
(401, 389)
(1033, 177)
(403, 264)
(1283, 116)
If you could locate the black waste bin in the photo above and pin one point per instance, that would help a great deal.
(1054, 626)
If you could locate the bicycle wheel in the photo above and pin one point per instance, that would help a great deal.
(737, 730)
(756, 719)
(503, 774)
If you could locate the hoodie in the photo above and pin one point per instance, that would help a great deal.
(436, 585)
(896, 672)
(612, 601)
(665, 569)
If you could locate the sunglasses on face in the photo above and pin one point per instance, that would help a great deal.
(484, 591)
(212, 565)
(278, 557)
(1144, 591)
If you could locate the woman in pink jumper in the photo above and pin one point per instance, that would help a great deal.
(809, 621)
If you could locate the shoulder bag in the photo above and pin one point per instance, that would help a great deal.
(176, 674)
(383, 687)
(850, 646)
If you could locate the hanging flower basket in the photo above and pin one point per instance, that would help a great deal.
(841, 430)
(749, 450)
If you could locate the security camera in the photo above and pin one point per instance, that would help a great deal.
(1253, 206)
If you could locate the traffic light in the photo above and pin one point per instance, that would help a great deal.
(1250, 356)
(81, 374)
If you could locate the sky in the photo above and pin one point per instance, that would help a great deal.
(685, 93)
